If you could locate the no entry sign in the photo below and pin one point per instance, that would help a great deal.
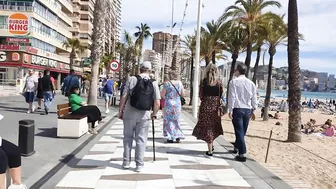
(115, 65)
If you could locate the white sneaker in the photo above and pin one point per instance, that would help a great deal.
(33, 109)
(126, 166)
(138, 168)
(107, 111)
(29, 111)
(21, 186)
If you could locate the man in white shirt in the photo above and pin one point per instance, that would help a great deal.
(29, 90)
(242, 101)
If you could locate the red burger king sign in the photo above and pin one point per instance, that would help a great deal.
(18, 24)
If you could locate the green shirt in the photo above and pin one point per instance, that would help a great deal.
(75, 102)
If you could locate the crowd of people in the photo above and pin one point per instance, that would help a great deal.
(140, 103)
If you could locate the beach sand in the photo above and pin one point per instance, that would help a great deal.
(313, 160)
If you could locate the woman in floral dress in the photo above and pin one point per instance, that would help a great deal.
(209, 125)
(172, 108)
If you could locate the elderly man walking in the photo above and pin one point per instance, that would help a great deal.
(242, 101)
(141, 94)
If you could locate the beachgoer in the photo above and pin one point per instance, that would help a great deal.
(48, 88)
(242, 101)
(29, 90)
(171, 120)
(69, 81)
(209, 125)
(109, 91)
(277, 115)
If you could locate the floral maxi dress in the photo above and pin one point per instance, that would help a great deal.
(172, 108)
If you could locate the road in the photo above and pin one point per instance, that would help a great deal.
(50, 150)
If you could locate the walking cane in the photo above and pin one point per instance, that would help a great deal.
(153, 132)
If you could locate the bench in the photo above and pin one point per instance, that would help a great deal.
(68, 125)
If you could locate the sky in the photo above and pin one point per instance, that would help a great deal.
(316, 20)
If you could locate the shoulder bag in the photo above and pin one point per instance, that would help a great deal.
(221, 106)
(183, 101)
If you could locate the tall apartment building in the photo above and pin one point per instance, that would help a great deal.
(82, 18)
(165, 43)
(156, 59)
(331, 81)
(322, 80)
(31, 37)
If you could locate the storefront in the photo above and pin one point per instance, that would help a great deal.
(14, 67)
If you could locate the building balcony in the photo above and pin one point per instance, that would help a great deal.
(67, 4)
(85, 41)
(17, 8)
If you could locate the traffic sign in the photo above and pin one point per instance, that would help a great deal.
(115, 65)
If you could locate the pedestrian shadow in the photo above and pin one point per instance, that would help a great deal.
(13, 109)
(47, 132)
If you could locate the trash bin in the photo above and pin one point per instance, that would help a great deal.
(26, 137)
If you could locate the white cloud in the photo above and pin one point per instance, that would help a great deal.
(315, 22)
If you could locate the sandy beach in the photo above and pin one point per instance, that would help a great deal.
(313, 160)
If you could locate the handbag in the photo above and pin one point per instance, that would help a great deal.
(221, 106)
(183, 101)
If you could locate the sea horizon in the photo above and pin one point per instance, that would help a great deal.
(306, 95)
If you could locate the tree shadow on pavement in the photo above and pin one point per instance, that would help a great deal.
(47, 132)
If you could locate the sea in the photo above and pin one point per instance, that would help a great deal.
(304, 94)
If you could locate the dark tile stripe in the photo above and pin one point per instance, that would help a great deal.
(136, 177)
(71, 188)
(86, 167)
(98, 152)
(212, 187)
(200, 167)
(108, 142)
(145, 159)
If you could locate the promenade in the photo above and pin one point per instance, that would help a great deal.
(180, 166)
(50, 150)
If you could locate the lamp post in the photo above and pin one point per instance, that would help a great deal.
(197, 60)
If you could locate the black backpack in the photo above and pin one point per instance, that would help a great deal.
(142, 95)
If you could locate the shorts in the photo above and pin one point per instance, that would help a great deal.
(29, 96)
(108, 96)
(10, 156)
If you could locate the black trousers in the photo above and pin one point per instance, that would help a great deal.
(92, 112)
(10, 156)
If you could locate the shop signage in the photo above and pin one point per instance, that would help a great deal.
(43, 61)
(18, 24)
(31, 50)
(15, 57)
(77, 69)
(10, 47)
(17, 40)
(3, 56)
(67, 66)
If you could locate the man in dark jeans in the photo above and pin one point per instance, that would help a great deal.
(48, 89)
(242, 101)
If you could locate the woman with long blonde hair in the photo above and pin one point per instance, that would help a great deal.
(209, 125)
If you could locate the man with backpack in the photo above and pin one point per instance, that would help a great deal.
(69, 81)
(140, 96)
(109, 90)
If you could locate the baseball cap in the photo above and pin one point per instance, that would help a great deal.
(146, 65)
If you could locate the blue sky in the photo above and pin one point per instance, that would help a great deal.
(316, 20)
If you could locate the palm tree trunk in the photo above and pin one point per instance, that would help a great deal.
(232, 70)
(191, 78)
(294, 92)
(72, 58)
(213, 57)
(248, 54)
(98, 39)
(121, 69)
(207, 61)
(269, 87)
(254, 79)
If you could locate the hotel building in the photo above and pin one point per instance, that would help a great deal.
(31, 37)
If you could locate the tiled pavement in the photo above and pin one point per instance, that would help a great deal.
(180, 166)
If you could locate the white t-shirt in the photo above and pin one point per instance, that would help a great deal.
(30, 83)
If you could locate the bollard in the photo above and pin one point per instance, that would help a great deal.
(268, 145)
(26, 137)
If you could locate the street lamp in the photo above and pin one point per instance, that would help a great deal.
(197, 60)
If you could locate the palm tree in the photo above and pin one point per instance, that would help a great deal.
(235, 43)
(276, 35)
(97, 42)
(249, 13)
(121, 49)
(130, 54)
(190, 45)
(259, 36)
(142, 34)
(105, 63)
(75, 45)
(294, 92)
